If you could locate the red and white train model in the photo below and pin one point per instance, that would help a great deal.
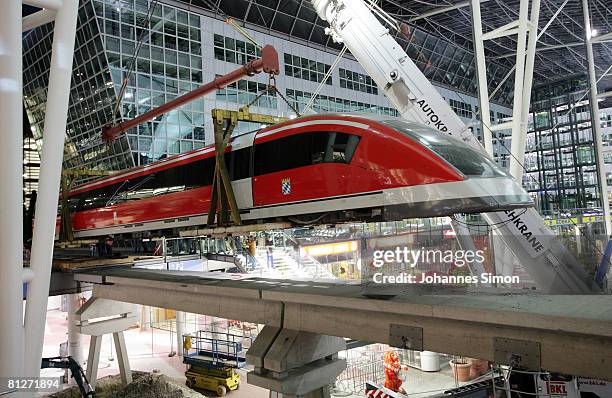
(323, 168)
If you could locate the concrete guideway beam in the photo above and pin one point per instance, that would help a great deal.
(573, 333)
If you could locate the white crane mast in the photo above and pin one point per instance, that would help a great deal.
(553, 268)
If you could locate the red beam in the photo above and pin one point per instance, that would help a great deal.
(268, 63)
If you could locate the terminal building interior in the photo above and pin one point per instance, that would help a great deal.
(306, 198)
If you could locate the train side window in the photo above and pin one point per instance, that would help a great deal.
(341, 147)
(284, 154)
(304, 150)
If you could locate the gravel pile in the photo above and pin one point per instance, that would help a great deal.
(145, 385)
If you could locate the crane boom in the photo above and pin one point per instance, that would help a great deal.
(549, 263)
(268, 63)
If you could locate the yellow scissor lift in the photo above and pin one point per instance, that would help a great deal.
(212, 359)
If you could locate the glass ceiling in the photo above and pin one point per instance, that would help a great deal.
(440, 38)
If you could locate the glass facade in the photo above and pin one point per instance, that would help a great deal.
(306, 69)
(357, 81)
(560, 168)
(92, 94)
(245, 92)
(325, 103)
(448, 64)
(235, 51)
(461, 108)
(167, 64)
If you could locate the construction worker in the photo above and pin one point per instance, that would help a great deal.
(252, 247)
(392, 370)
(270, 257)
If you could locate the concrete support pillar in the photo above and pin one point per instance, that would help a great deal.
(294, 364)
(11, 181)
(122, 358)
(180, 330)
(93, 360)
(99, 317)
(75, 348)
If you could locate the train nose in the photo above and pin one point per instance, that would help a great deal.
(472, 195)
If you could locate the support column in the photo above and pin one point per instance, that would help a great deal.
(11, 192)
(75, 348)
(595, 122)
(93, 360)
(48, 189)
(481, 78)
(294, 364)
(122, 358)
(180, 330)
(97, 318)
(517, 147)
(527, 82)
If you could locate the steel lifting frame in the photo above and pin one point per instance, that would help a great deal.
(222, 195)
(18, 358)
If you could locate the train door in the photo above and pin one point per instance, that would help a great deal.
(240, 169)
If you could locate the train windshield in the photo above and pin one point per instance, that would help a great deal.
(464, 158)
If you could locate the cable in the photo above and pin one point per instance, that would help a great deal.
(327, 75)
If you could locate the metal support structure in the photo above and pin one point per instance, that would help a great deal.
(48, 190)
(517, 146)
(519, 128)
(602, 38)
(11, 193)
(525, 26)
(37, 19)
(481, 78)
(223, 201)
(595, 122)
(46, 4)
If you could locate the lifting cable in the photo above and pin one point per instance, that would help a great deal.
(271, 88)
(130, 71)
(327, 75)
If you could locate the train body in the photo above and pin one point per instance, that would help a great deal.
(323, 168)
